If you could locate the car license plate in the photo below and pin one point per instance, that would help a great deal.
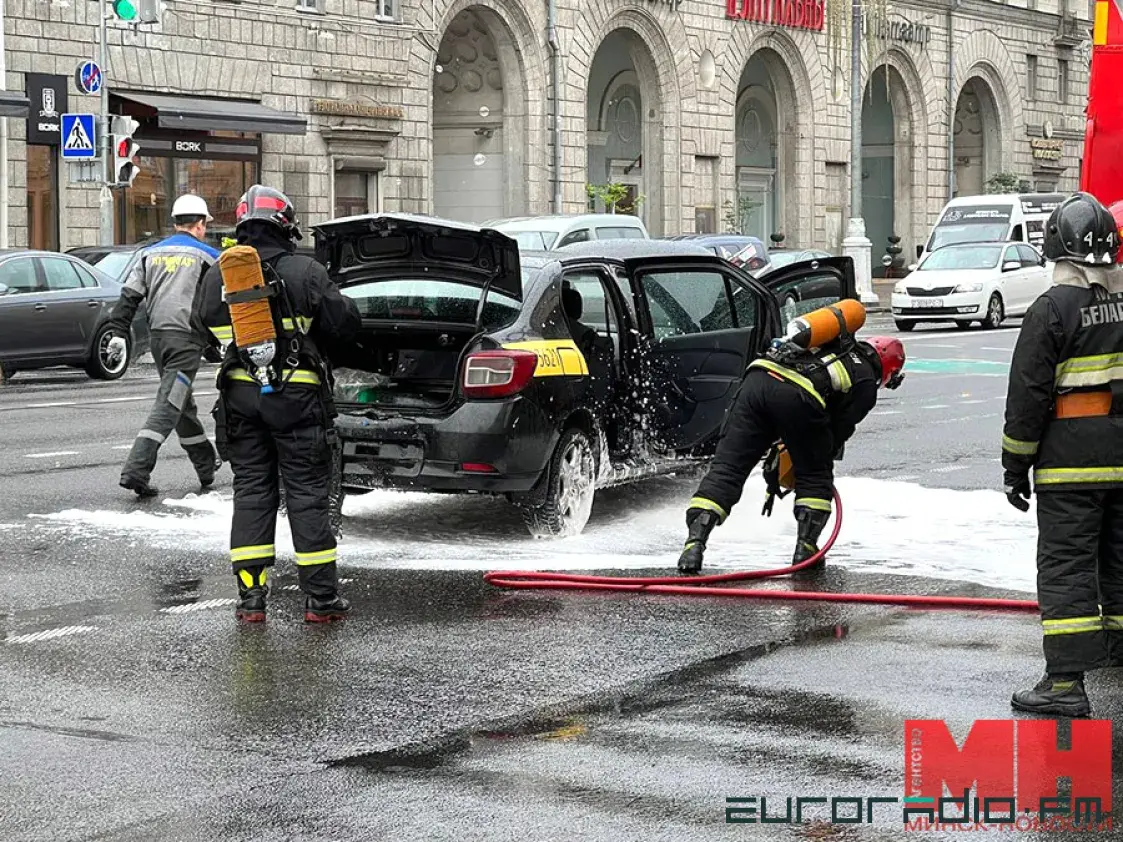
(928, 302)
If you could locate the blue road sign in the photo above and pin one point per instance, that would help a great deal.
(88, 77)
(78, 138)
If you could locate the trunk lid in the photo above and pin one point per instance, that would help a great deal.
(374, 246)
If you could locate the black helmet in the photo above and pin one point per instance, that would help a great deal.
(1081, 229)
(268, 205)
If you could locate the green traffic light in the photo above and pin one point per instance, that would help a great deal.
(124, 9)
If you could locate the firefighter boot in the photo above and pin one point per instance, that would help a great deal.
(252, 591)
(699, 523)
(1057, 695)
(809, 524)
(322, 602)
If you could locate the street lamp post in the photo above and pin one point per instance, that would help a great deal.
(857, 245)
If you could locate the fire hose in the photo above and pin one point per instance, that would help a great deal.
(705, 585)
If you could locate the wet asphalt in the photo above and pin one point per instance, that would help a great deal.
(133, 708)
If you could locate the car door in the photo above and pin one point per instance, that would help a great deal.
(699, 325)
(1013, 283)
(20, 338)
(1037, 277)
(802, 287)
(71, 309)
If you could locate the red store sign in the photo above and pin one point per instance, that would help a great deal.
(797, 14)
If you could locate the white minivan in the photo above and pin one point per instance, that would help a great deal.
(546, 233)
(1018, 218)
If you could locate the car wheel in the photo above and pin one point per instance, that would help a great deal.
(98, 365)
(995, 312)
(905, 327)
(962, 325)
(566, 499)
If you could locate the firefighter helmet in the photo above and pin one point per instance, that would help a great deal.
(891, 354)
(1081, 229)
(268, 205)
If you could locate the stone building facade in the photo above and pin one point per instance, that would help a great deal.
(710, 114)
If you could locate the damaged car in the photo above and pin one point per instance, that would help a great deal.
(543, 376)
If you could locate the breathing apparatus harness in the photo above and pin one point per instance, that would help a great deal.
(258, 308)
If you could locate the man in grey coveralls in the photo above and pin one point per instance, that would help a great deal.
(166, 276)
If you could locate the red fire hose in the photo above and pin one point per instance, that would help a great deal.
(702, 585)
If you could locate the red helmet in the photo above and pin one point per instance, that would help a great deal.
(1117, 215)
(891, 353)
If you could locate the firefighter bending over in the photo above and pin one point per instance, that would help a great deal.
(1064, 419)
(276, 313)
(810, 391)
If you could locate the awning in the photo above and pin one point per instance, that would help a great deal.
(216, 115)
(14, 104)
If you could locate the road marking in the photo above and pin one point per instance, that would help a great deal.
(49, 455)
(935, 406)
(947, 469)
(122, 447)
(989, 348)
(886, 412)
(198, 606)
(976, 400)
(49, 634)
(121, 400)
(49, 405)
(928, 345)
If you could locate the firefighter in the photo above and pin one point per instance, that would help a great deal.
(274, 415)
(1063, 420)
(812, 398)
(166, 276)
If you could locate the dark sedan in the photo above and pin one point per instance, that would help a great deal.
(54, 310)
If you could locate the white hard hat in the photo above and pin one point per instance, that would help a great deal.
(191, 205)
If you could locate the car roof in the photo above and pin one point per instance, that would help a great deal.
(631, 249)
(557, 222)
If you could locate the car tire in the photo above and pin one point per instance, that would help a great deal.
(96, 365)
(905, 327)
(565, 500)
(996, 312)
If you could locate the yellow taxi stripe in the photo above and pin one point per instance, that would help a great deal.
(556, 357)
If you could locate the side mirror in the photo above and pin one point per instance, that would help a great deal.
(3, 289)
(1011, 266)
(912, 267)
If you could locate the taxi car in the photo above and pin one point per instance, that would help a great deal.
(543, 376)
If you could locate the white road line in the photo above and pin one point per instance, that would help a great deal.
(122, 400)
(886, 412)
(989, 348)
(935, 406)
(49, 634)
(122, 447)
(49, 455)
(48, 405)
(928, 345)
(198, 606)
(947, 469)
(977, 400)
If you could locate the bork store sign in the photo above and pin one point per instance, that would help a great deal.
(47, 95)
(795, 14)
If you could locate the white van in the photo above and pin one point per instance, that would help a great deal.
(994, 218)
(545, 233)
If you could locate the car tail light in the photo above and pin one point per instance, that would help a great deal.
(477, 468)
(498, 374)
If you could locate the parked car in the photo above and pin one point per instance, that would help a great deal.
(970, 282)
(545, 233)
(747, 252)
(114, 261)
(54, 310)
(541, 376)
(779, 258)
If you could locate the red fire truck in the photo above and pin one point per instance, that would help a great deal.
(1102, 170)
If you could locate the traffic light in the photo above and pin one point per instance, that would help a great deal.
(125, 9)
(124, 150)
(149, 11)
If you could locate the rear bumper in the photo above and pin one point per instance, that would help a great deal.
(428, 454)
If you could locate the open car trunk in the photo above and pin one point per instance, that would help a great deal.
(412, 366)
(418, 283)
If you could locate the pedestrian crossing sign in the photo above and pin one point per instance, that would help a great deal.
(78, 138)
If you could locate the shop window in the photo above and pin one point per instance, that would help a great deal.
(356, 193)
(144, 211)
(42, 198)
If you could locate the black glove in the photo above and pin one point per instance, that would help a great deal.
(1018, 491)
(212, 354)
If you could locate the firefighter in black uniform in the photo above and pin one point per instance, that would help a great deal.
(811, 399)
(278, 419)
(1064, 420)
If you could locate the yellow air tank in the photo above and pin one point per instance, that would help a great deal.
(252, 320)
(821, 326)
